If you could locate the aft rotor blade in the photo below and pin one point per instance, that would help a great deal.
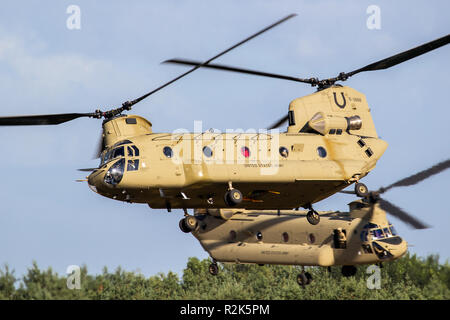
(402, 215)
(48, 119)
(234, 69)
(279, 122)
(403, 56)
(131, 103)
(420, 176)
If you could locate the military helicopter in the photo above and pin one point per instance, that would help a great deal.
(330, 144)
(361, 236)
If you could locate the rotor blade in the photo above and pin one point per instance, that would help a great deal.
(99, 147)
(418, 177)
(403, 56)
(347, 192)
(131, 103)
(49, 119)
(279, 122)
(87, 169)
(234, 69)
(402, 215)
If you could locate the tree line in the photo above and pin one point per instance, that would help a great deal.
(410, 277)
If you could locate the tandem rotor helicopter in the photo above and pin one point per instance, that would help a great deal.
(246, 188)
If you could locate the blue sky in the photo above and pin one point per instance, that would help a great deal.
(46, 68)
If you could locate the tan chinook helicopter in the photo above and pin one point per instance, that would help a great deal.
(247, 181)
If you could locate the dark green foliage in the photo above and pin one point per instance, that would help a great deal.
(408, 278)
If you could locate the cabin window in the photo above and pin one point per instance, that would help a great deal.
(387, 232)
(207, 151)
(168, 152)
(233, 235)
(284, 152)
(312, 238)
(338, 131)
(285, 236)
(129, 151)
(259, 236)
(332, 131)
(321, 152)
(245, 151)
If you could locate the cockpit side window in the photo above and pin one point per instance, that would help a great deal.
(129, 151)
(136, 151)
(133, 165)
(393, 230)
(377, 234)
(118, 152)
(387, 232)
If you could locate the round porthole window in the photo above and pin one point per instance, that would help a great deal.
(233, 235)
(245, 151)
(259, 236)
(285, 236)
(168, 152)
(312, 238)
(321, 152)
(207, 152)
(284, 152)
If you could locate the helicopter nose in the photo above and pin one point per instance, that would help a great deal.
(400, 249)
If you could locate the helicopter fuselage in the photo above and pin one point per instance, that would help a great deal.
(319, 155)
(286, 237)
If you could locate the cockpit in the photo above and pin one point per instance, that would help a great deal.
(373, 231)
(127, 153)
(118, 150)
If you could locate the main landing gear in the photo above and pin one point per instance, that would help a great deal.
(304, 278)
(188, 224)
(233, 196)
(312, 216)
(361, 190)
(213, 268)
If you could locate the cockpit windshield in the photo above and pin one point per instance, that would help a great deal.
(119, 150)
(375, 232)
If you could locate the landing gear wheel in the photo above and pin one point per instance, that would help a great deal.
(213, 269)
(309, 277)
(361, 190)
(233, 197)
(313, 217)
(188, 224)
(348, 271)
(302, 279)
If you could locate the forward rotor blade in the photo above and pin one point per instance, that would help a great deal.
(402, 215)
(99, 147)
(131, 103)
(87, 169)
(48, 119)
(234, 69)
(403, 56)
(418, 177)
(279, 122)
